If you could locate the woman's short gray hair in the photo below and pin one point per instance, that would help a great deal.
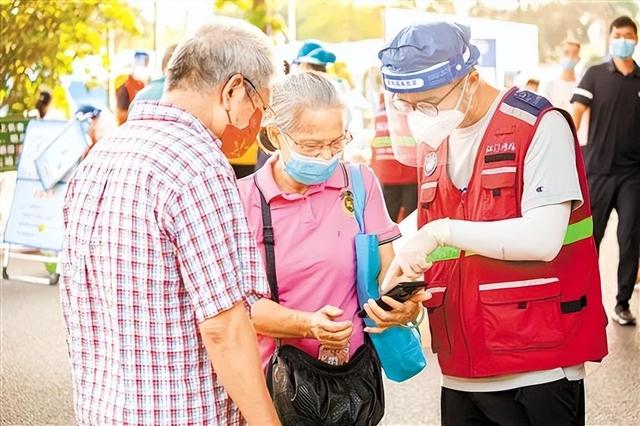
(294, 93)
(219, 50)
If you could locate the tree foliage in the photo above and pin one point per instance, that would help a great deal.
(264, 14)
(39, 40)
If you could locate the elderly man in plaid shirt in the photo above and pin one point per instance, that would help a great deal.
(159, 265)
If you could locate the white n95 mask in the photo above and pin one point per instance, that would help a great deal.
(434, 130)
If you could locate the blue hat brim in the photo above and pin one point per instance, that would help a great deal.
(431, 77)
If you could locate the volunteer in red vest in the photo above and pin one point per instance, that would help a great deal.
(398, 180)
(505, 234)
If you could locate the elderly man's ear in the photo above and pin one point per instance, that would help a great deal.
(233, 91)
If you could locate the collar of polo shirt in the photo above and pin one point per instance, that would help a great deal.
(634, 73)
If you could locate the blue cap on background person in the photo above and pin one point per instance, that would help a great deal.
(422, 57)
(312, 52)
(307, 47)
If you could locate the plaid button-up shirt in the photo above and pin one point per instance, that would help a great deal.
(156, 242)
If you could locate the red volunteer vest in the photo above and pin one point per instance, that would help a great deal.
(490, 317)
(388, 170)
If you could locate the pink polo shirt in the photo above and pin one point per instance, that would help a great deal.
(314, 245)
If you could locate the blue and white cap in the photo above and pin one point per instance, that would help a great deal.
(426, 56)
(312, 52)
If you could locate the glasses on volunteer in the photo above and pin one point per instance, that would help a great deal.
(427, 108)
(316, 149)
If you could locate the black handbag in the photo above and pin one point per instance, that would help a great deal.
(307, 391)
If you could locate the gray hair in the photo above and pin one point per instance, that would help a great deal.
(294, 93)
(219, 50)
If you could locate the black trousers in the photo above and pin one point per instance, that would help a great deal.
(557, 403)
(398, 196)
(620, 192)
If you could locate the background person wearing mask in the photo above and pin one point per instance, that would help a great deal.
(515, 312)
(560, 89)
(159, 265)
(611, 92)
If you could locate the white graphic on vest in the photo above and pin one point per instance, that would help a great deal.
(498, 148)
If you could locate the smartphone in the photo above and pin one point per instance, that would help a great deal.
(402, 292)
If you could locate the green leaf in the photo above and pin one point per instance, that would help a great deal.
(40, 40)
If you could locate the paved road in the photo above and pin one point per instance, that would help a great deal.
(35, 386)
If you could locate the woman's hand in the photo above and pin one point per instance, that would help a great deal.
(402, 313)
(330, 333)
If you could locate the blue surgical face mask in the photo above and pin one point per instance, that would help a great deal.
(310, 170)
(568, 63)
(622, 47)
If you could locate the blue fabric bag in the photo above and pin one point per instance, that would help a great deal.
(398, 348)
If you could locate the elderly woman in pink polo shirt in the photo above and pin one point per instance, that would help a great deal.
(307, 188)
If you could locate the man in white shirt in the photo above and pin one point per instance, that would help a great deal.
(560, 89)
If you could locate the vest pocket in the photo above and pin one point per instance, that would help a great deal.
(499, 193)
(437, 319)
(522, 315)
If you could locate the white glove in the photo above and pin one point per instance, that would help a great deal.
(410, 259)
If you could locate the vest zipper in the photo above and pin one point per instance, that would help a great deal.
(463, 198)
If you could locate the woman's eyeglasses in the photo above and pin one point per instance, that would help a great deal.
(315, 150)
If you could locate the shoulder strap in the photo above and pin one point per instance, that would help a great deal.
(269, 243)
(359, 194)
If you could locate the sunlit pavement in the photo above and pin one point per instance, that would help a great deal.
(36, 389)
